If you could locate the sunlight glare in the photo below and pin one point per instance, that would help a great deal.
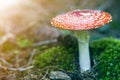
(7, 3)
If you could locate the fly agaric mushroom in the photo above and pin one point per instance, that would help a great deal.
(79, 21)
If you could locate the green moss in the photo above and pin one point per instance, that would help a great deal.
(23, 43)
(56, 56)
(105, 51)
(108, 56)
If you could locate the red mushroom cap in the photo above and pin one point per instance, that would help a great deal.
(81, 19)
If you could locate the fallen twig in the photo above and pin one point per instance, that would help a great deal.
(4, 61)
(44, 42)
(43, 78)
(31, 57)
(16, 69)
(6, 37)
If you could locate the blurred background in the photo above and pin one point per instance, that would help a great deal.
(25, 23)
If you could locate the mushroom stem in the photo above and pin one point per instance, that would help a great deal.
(84, 56)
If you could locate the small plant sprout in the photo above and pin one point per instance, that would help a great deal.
(80, 21)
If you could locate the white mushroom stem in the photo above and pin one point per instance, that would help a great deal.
(84, 56)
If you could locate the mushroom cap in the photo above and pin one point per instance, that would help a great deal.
(81, 19)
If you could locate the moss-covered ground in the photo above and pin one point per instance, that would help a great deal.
(105, 56)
